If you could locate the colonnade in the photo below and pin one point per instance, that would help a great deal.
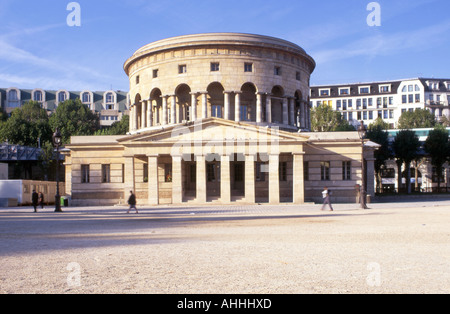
(165, 110)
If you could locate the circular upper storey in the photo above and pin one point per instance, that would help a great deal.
(232, 59)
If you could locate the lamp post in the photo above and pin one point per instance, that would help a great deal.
(57, 139)
(362, 199)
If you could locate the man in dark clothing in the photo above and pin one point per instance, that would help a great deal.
(34, 200)
(132, 202)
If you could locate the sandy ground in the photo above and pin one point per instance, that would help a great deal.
(391, 248)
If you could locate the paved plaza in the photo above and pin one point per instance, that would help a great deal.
(390, 248)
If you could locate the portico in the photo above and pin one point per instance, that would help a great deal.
(210, 162)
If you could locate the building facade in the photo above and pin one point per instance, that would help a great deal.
(220, 118)
(388, 100)
(109, 105)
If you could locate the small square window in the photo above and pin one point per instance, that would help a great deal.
(182, 69)
(277, 70)
(215, 66)
(155, 73)
(248, 67)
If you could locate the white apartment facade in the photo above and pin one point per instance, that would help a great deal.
(110, 105)
(388, 100)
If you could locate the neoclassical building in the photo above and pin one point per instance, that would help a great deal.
(220, 117)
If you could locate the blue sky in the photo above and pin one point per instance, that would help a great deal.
(39, 50)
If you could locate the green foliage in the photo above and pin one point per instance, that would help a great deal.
(437, 146)
(73, 118)
(118, 128)
(420, 118)
(377, 133)
(27, 126)
(406, 146)
(325, 119)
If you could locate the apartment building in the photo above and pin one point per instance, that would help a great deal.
(109, 105)
(388, 100)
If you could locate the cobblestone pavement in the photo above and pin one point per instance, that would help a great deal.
(391, 248)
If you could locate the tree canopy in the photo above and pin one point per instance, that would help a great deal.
(420, 118)
(437, 146)
(325, 119)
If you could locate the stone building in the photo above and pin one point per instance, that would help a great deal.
(219, 118)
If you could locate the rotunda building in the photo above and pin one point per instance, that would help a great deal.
(239, 77)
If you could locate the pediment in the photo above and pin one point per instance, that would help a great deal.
(212, 130)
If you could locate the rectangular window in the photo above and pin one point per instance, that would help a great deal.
(137, 79)
(145, 173)
(344, 91)
(212, 172)
(106, 173)
(283, 171)
(298, 76)
(260, 172)
(404, 99)
(324, 92)
(85, 174)
(306, 170)
(248, 67)
(346, 170)
(216, 111)
(364, 90)
(277, 70)
(215, 66)
(325, 171)
(417, 98)
(244, 113)
(182, 69)
(168, 173)
(155, 73)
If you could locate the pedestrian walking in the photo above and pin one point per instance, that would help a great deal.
(34, 200)
(132, 202)
(326, 199)
(41, 200)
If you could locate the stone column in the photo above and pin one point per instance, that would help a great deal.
(225, 179)
(226, 114)
(285, 111)
(274, 179)
(268, 108)
(164, 110)
(150, 113)
(258, 107)
(237, 107)
(144, 114)
(201, 179)
(129, 180)
(292, 111)
(132, 118)
(193, 107)
(136, 117)
(153, 180)
(204, 105)
(173, 109)
(298, 182)
(250, 179)
(177, 180)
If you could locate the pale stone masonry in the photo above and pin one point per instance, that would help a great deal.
(221, 118)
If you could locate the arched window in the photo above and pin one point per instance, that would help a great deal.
(38, 96)
(86, 97)
(62, 96)
(13, 98)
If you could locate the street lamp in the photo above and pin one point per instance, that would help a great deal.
(362, 134)
(57, 140)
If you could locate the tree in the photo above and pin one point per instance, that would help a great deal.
(406, 146)
(420, 118)
(74, 118)
(437, 146)
(28, 126)
(325, 119)
(377, 133)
